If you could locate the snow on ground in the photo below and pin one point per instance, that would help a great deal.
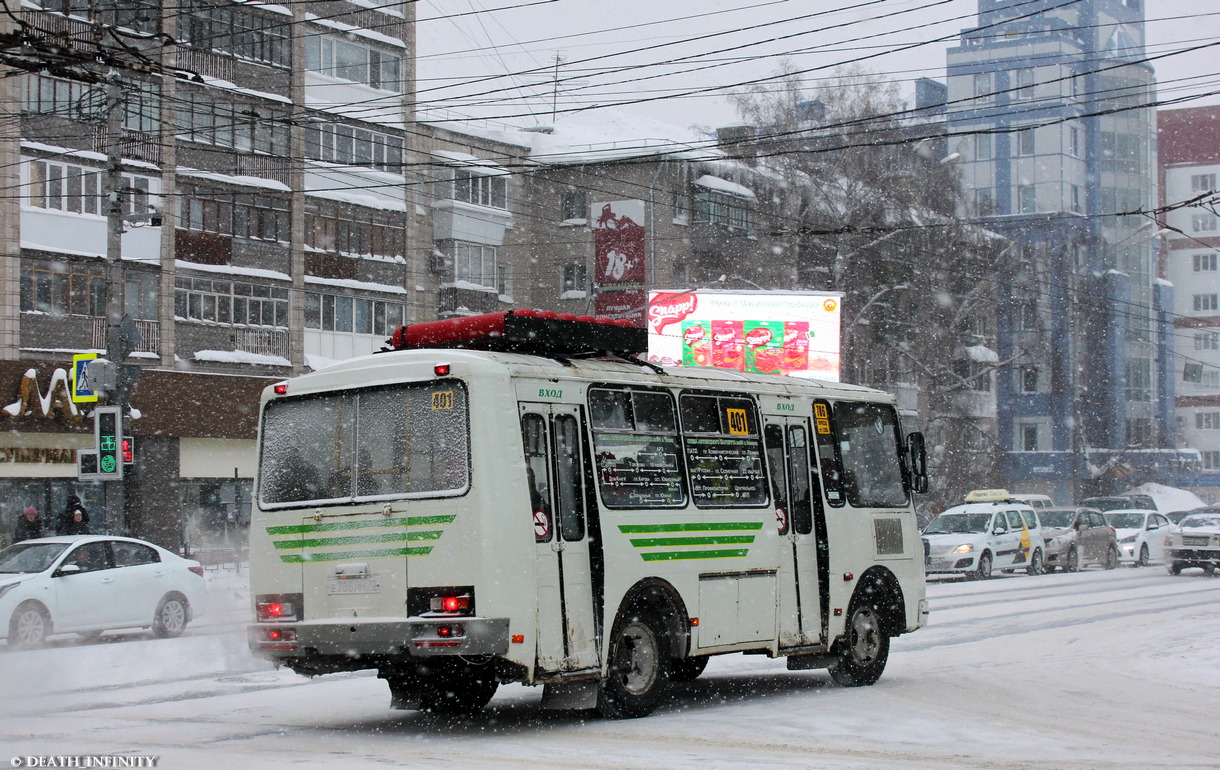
(1099, 669)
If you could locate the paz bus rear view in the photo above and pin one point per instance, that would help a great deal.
(516, 498)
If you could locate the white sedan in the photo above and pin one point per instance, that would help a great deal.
(1141, 535)
(87, 584)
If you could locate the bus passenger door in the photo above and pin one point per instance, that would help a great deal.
(788, 459)
(554, 454)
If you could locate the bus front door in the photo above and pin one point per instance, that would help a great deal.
(554, 455)
(788, 458)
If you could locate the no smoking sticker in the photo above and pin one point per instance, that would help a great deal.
(781, 517)
(542, 525)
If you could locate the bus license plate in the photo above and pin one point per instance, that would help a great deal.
(361, 586)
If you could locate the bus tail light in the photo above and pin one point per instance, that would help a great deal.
(278, 608)
(441, 601)
(451, 605)
(278, 639)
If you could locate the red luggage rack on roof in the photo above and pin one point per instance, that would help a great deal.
(539, 332)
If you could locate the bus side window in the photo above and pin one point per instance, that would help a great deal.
(569, 496)
(773, 438)
(828, 453)
(798, 479)
(533, 432)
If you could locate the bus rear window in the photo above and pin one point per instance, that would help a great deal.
(367, 444)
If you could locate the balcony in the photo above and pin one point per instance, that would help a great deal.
(974, 403)
(263, 342)
(150, 336)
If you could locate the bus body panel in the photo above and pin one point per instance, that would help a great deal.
(546, 602)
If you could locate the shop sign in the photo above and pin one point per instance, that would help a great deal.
(56, 404)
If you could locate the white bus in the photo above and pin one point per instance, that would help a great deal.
(514, 497)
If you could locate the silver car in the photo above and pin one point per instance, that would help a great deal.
(1076, 537)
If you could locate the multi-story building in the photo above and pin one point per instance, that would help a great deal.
(1189, 155)
(268, 175)
(1052, 108)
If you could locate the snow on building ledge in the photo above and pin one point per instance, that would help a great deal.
(240, 357)
(982, 354)
(724, 186)
(469, 162)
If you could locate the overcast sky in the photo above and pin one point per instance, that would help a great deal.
(648, 55)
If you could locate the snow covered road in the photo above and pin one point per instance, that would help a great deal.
(1097, 669)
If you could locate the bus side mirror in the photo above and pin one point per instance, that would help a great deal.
(917, 462)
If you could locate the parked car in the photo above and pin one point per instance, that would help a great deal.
(1194, 543)
(1175, 517)
(976, 538)
(88, 584)
(1076, 537)
(1119, 502)
(1141, 535)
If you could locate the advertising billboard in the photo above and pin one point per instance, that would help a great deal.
(618, 258)
(788, 333)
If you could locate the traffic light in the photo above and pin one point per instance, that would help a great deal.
(108, 438)
(128, 448)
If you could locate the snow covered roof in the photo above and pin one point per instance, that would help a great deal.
(982, 354)
(724, 186)
(469, 162)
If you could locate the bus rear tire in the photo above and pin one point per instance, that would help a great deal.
(639, 666)
(865, 646)
(687, 669)
(457, 687)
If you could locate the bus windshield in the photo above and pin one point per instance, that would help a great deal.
(958, 524)
(366, 444)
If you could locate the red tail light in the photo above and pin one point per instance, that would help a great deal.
(452, 604)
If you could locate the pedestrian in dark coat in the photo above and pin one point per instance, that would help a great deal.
(77, 525)
(29, 526)
(67, 523)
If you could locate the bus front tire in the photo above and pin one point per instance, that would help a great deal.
(864, 650)
(639, 666)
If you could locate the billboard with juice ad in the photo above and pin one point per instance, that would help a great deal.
(789, 333)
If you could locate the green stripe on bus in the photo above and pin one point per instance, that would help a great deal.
(391, 537)
(674, 555)
(296, 558)
(711, 526)
(647, 542)
(338, 526)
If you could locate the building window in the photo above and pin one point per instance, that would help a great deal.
(141, 292)
(1207, 341)
(722, 209)
(1139, 380)
(681, 206)
(1024, 84)
(1202, 182)
(1074, 141)
(353, 62)
(1207, 420)
(241, 215)
(1025, 142)
(1029, 379)
(479, 189)
(330, 313)
(982, 85)
(199, 118)
(479, 265)
(138, 15)
(1027, 316)
(79, 189)
(351, 146)
(984, 202)
(575, 278)
(982, 147)
(235, 303)
(1204, 263)
(1205, 302)
(353, 231)
(1026, 198)
(572, 206)
(83, 102)
(234, 32)
(64, 288)
(1077, 208)
(1139, 431)
(1211, 459)
(1203, 223)
(1029, 438)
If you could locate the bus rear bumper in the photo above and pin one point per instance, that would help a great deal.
(379, 637)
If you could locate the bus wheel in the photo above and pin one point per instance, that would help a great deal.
(639, 671)
(457, 687)
(688, 669)
(865, 647)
